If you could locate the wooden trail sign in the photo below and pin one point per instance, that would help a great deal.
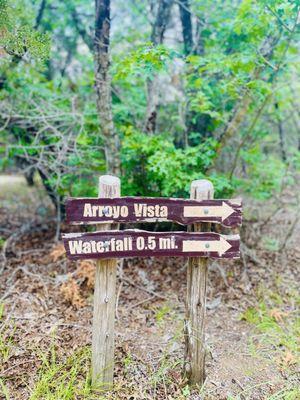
(109, 245)
(149, 209)
(131, 243)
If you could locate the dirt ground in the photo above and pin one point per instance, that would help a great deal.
(46, 304)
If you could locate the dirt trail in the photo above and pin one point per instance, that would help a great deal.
(12, 180)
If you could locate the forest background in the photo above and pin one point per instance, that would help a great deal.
(194, 89)
(158, 93)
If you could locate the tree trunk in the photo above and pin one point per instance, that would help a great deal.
(281, 141)
(187, 28)
(103, 86)
(281, 134)
(195, 122)
(40, 14)
(157, 37)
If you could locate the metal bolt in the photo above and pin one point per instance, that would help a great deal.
(105, 210)
(206, 211)
(207, 245)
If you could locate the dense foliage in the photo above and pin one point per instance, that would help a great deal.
(226, 106)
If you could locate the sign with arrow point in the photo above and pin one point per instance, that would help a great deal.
(148, 209)
(131, 243)
(220, 246)
(222, 211)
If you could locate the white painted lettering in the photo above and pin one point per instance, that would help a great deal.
(87, 212)
(75, 246)
(86, 247)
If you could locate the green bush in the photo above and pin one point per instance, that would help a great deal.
(153, 166)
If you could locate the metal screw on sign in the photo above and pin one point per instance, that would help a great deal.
(105, 210)
(207, 245)
(206, 211)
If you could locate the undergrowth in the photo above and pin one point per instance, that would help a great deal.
(6, 337)
(276, 338)
(64, 380)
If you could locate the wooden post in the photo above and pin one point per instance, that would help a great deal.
(104, 302)
(194, 365)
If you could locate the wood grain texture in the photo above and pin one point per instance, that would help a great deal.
(194, 328)
(103, 341)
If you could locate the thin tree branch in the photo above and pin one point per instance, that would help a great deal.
(40, 14)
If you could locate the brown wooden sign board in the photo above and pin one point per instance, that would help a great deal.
(148, 209)
(131, 243)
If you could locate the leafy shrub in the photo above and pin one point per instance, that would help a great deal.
(265, 174)
(153, 166)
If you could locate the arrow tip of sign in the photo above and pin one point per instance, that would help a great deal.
(224, 246)
(227, 211)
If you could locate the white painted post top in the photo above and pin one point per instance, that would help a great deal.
(202, 189)
(109, 180)
(109, 186)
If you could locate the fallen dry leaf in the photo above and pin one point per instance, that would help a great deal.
(288, 359)
(71, 293)
(277, 314)
(86, 271)
(57, 252)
